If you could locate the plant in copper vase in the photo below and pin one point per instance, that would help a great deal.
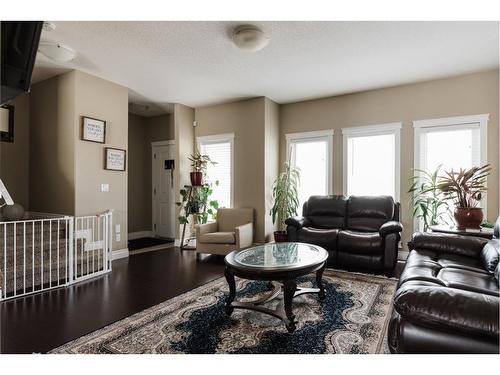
(465, 189)
(199, 163)
(285, 199)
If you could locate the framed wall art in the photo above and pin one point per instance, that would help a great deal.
(115, 159)
(93, 130)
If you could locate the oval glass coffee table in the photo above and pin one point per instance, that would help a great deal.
(279, 262)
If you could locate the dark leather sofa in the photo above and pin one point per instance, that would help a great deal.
(447, 299)
(360, 233)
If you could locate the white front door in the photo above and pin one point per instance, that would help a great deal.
(163, 190)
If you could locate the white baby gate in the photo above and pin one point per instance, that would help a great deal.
(47, 253)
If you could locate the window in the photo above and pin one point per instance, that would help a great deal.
(453, 143)
(312, 153)
(220, 150)
(371, 160)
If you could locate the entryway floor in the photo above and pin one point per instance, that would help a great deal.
(145, 242)
(38, 323)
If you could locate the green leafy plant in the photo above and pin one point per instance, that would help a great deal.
(200, 162)
(428, 202)
(199, 203)
(285, 195)
(464, 188)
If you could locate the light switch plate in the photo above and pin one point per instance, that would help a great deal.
(104, 188)
(118, 237)
(118, 228)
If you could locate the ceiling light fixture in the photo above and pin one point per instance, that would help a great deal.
(56, 51)
(250, 38)
(48, 26)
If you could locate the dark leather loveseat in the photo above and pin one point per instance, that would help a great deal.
(360, 233)
(447, 299)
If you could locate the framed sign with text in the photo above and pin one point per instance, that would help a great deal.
(115, 159)
(93, 130)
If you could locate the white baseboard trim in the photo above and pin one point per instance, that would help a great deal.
(119, 254)
(177, 243)
(142, 234)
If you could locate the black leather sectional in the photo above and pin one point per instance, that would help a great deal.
(447, 299)
(360, 232)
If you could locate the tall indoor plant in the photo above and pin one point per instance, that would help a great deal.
(428, 202)
(465, 189)
(285, 199)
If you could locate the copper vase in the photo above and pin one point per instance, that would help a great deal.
(468, 217)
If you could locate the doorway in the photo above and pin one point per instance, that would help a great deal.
(163, 197)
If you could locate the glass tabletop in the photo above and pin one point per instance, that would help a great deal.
(279, 255)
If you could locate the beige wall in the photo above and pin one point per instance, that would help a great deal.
(107, 101)
(159, 128)
(138, 195)
(14, 157)
(142, 131)
(271, 160)
(246, 119)
(52, 145)
(464, 95)
(66, 173)
(184, 135)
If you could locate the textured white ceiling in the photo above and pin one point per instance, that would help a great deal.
(195, 63)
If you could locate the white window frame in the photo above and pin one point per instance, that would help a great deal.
(453, 123)
(217, 138)
(369, 130)
(311, 136)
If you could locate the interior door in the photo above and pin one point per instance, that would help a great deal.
(163, 190)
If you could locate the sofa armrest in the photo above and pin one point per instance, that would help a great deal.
(297, 222)
(390, 227)
(244, 235)
(447, 308)
(206, 228)
(448, 243)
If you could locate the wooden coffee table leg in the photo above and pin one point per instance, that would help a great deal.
(289, 286)
(319, 282)
(232, 291)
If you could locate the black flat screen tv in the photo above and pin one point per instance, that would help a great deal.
(19, 46)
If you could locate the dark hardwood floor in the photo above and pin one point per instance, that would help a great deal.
(38, 323)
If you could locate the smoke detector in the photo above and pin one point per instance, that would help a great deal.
(250, 38)
(56, 51)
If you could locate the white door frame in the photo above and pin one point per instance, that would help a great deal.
(153, 145)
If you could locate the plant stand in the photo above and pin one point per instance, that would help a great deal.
(183, 244)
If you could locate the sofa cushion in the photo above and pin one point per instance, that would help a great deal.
(368, 213)
(326, 212)
(326, 238)
(218, 237)
(360, 242)
(448, 270)
(352, 261)
(468, 280)
(490, 254)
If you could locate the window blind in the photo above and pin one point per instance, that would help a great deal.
(219, 152)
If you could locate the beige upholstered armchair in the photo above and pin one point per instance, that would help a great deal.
(232, 230)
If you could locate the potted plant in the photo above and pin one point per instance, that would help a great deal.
(466, 189)
(198, 203)
(285, 199)
(428, 202)
(199, 163)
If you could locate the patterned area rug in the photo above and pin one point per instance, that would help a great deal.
(352, 319)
